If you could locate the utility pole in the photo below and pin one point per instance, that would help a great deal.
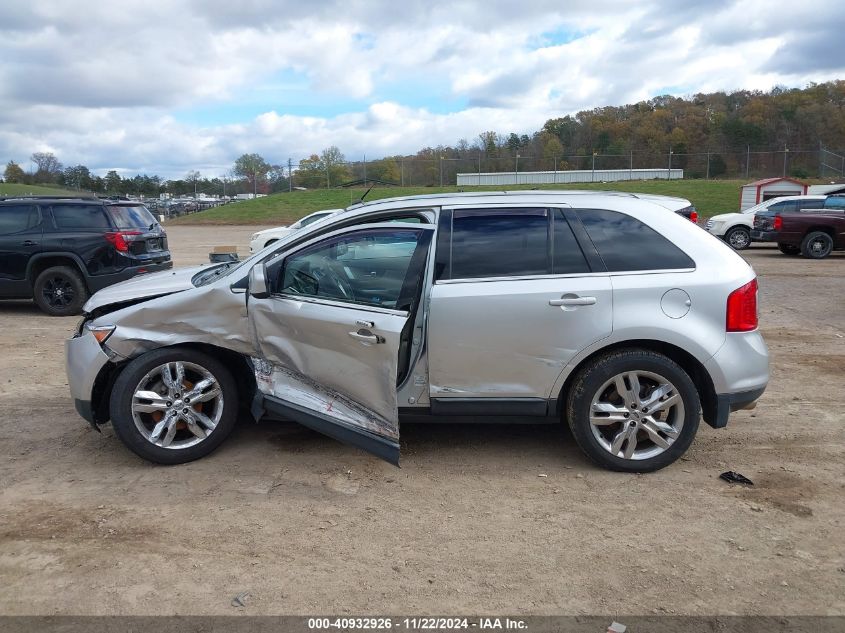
(747, 160)
(707, 177)
(402, 171)
(555, 170)
(631, 167)
(365, 170)
(441, 170)
(479, 168)
(516, 170)
(290, 175)
(669, 174)
(785, 157)
(593, 179)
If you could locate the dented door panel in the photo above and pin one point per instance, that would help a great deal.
(328, 349)
(316, 360)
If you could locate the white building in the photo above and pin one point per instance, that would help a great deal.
(564, 177)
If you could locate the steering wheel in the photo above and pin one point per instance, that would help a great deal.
(338, 280)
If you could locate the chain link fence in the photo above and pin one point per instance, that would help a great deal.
(443, 170)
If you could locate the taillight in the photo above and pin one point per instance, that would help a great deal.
(742, 308)
(694, 217)
(118, 239)
(778, 223)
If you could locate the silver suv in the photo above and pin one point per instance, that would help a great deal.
(605, 310)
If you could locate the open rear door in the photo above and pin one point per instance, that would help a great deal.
(339, 310)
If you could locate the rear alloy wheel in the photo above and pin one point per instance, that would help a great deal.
(60, 291)
(633, 411)
(174, 405)
(788, 249)
(739, 238)
(816, 245)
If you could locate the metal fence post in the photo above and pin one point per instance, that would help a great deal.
(747, 160)
(707, 177)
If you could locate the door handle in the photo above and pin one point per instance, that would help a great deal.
(572, 300)
(29, 243)
(367, 337)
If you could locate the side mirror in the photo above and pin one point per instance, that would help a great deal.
(258, 286)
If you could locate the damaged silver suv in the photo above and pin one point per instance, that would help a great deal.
(604, 310)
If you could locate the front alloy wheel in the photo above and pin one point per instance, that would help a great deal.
(177, 405)
(739, 238)
(174, 405)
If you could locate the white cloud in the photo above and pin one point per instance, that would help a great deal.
(118, 85)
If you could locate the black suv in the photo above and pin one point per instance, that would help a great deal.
(59, 251)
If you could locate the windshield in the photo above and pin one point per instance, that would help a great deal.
(132, 217)
(311, 218)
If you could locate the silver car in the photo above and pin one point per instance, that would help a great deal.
(603, 310)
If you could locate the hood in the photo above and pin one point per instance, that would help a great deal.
(722, 217)
(145, 287)
(273, 230)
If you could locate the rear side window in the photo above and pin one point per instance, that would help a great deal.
(626, 244)
(835, 203)
(80, 216)
(15, 218)
(499, 243)
(132, 217)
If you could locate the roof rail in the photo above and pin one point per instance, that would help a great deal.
(479, 194)
(47, 197)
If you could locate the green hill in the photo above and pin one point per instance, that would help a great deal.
(709, 197)
(14, 189)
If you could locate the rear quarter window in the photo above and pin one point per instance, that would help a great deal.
(626, 244)
(80, 216)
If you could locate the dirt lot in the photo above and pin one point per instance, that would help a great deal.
(306, 525)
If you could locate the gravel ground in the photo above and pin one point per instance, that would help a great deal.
(478, 519)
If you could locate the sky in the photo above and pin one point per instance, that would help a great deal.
(168, 86)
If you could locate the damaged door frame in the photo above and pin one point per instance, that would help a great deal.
(340, 422)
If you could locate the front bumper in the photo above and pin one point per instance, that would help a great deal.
(764, 236)
(84, 359)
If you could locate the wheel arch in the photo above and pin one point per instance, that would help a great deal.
(820, 229)
(690, 364)
(40, 262)
(235, 362)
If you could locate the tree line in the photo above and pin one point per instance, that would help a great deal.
(726, 127)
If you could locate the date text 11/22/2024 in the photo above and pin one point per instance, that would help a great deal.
(417, 624)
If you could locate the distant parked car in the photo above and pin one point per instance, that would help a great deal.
(735, 228)
(814, 233)
(264, 238)
(59, 251)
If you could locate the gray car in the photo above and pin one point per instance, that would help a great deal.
(603, 310)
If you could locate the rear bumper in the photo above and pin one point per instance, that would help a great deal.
(98, 282)
(740, 373)
(726, 403)
(764, 236)
(84, 359)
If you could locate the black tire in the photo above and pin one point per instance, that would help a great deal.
(788, 249)
(738, 238)
(599, 371)
(60, 291)
(816, 245)
(123, 393)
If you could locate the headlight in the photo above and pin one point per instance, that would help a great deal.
(100, 332)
